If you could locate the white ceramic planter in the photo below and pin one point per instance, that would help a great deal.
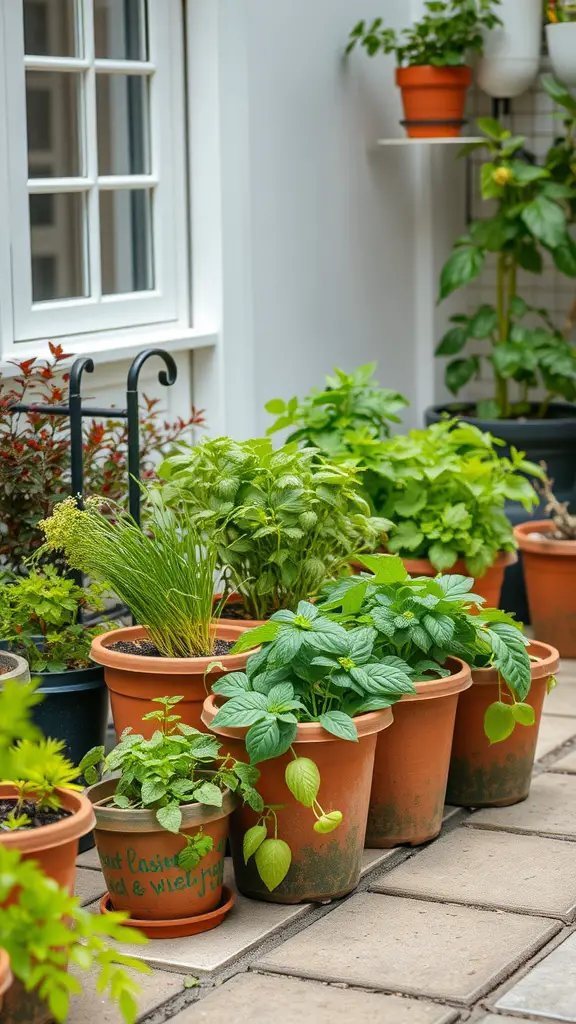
(562, 50)
(512, 51)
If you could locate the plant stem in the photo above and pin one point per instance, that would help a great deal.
(503, 320)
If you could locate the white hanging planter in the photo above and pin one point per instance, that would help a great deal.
(512, 51)
(562, 49)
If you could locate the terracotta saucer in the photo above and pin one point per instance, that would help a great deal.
(179, 926)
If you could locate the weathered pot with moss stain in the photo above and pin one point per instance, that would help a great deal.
(324, 867)
(498, 774)
(140, 859)
(411, 765)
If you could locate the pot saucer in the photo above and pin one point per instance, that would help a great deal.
(178, 927)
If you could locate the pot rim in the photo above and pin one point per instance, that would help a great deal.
(132, 819)
(35, 840)
(307, 732)
(426, 74)
(555, 548)
(6, 977)
(446, 686)
(100, 653)
(20, 665)
(547, 665)
(154, 927)
(503, 559)
(492, 425)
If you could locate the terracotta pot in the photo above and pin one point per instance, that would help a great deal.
(550, 571)
(487, 586)
(498, 774)
(434, 100)
(176, 928)
(235, 601)
(324, 867)
(412, 760)
(55, 847)
(139, 857)
(134, 680)
(5, 975)
(22, 1007)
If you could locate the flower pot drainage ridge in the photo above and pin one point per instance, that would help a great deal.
(178, 928)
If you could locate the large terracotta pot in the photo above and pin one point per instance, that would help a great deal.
(5, 975)
(487, 586)
(55, 846)
(134, 680)
(550, 571)
(139, 857)
(498, 774)
(324, 867)
(412, 760)
(434, 100)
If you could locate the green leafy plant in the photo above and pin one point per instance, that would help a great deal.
(559, 10)
(43, 929)
(559, 511)
(177, 766)
(533, 209)
(285, 520)
(352, 406)
(38, 769)
(39, 619)
(163, 572)
(448, 31)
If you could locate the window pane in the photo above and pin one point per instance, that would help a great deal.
(50, 28)
(126, 241)
(52, 113)
(120, 30)
(58, 247)
(122, 111)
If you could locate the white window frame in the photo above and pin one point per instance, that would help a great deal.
(25, 327)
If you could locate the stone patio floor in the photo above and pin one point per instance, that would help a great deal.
(477, 926)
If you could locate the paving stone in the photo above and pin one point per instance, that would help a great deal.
(409, 946)
(90, 859)
(549, 811)
(259, 998)
(567, 673)
(372, 858)
(493, 1018)
(562, 700)
(93, 1008)
(565, 764)
(491, 869)
(90, 885)
(549, 989)
(554, 731)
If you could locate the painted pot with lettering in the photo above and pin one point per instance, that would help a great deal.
(139, 858)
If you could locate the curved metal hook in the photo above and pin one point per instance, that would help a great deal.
(167, 379)
(78, 367)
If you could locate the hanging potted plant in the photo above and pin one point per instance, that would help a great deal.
(40, 621)
(431, 56)
(511, 58)
(164, 574)
(561, 39)
(549, 553)
(430, 624)
(285, 520)
(307, 711)
(162, 824)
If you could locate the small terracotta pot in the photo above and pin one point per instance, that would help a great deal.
(5, 975)
(324, 867)
(55, 847)
(550, 572)
(412, 760)
(434, 100)
(488, 586)
(139, 857)
(498, 774)
(134, 680)
(235, 601)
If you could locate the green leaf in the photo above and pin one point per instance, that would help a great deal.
(499, 722)
(328, 822)
(440, 627)
(518, 307)
(546, 221)
(564, 257)
(239, 712)
(246, 773)
(303, 780)
(188, 858)
(232, 684)
(492, 128)
(488, 409)
(152, 791)
(170, 817)
(254, 637)
(453, 342)
(511, 657)
(463, 266)
(483, 323)
(339, 724)
(208, 793)
(442, 556)
(459, 372)
(268, 739)
(252, 797)
(386, 568)
(273, 860)
(253, 839)
(276, 406)
(524, 714)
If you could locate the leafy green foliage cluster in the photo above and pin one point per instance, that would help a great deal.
(285, 520)
(39, 619)
(177, 766)
(44, 929)
(447, 33)
(534, 207)
(560, 10)
(351, 408)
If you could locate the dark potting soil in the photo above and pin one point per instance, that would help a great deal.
(37, 818)
(235, 611)
(145, 648)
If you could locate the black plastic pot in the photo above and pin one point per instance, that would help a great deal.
(552, 440)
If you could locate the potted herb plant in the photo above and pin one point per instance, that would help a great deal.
(431, 55)
(164, 573)
(439, 628)
(40, 621)
(561, 39)
(285, 520)
(307, 711)
(162, 823)
(549, 553)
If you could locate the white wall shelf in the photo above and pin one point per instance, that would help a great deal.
(460, 140)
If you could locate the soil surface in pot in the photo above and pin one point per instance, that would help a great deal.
(37, 818)
(147, 649)
(547, 537)
(236, 611)
(469, 411)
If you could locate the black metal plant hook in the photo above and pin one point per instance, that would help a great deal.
(167, 379)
